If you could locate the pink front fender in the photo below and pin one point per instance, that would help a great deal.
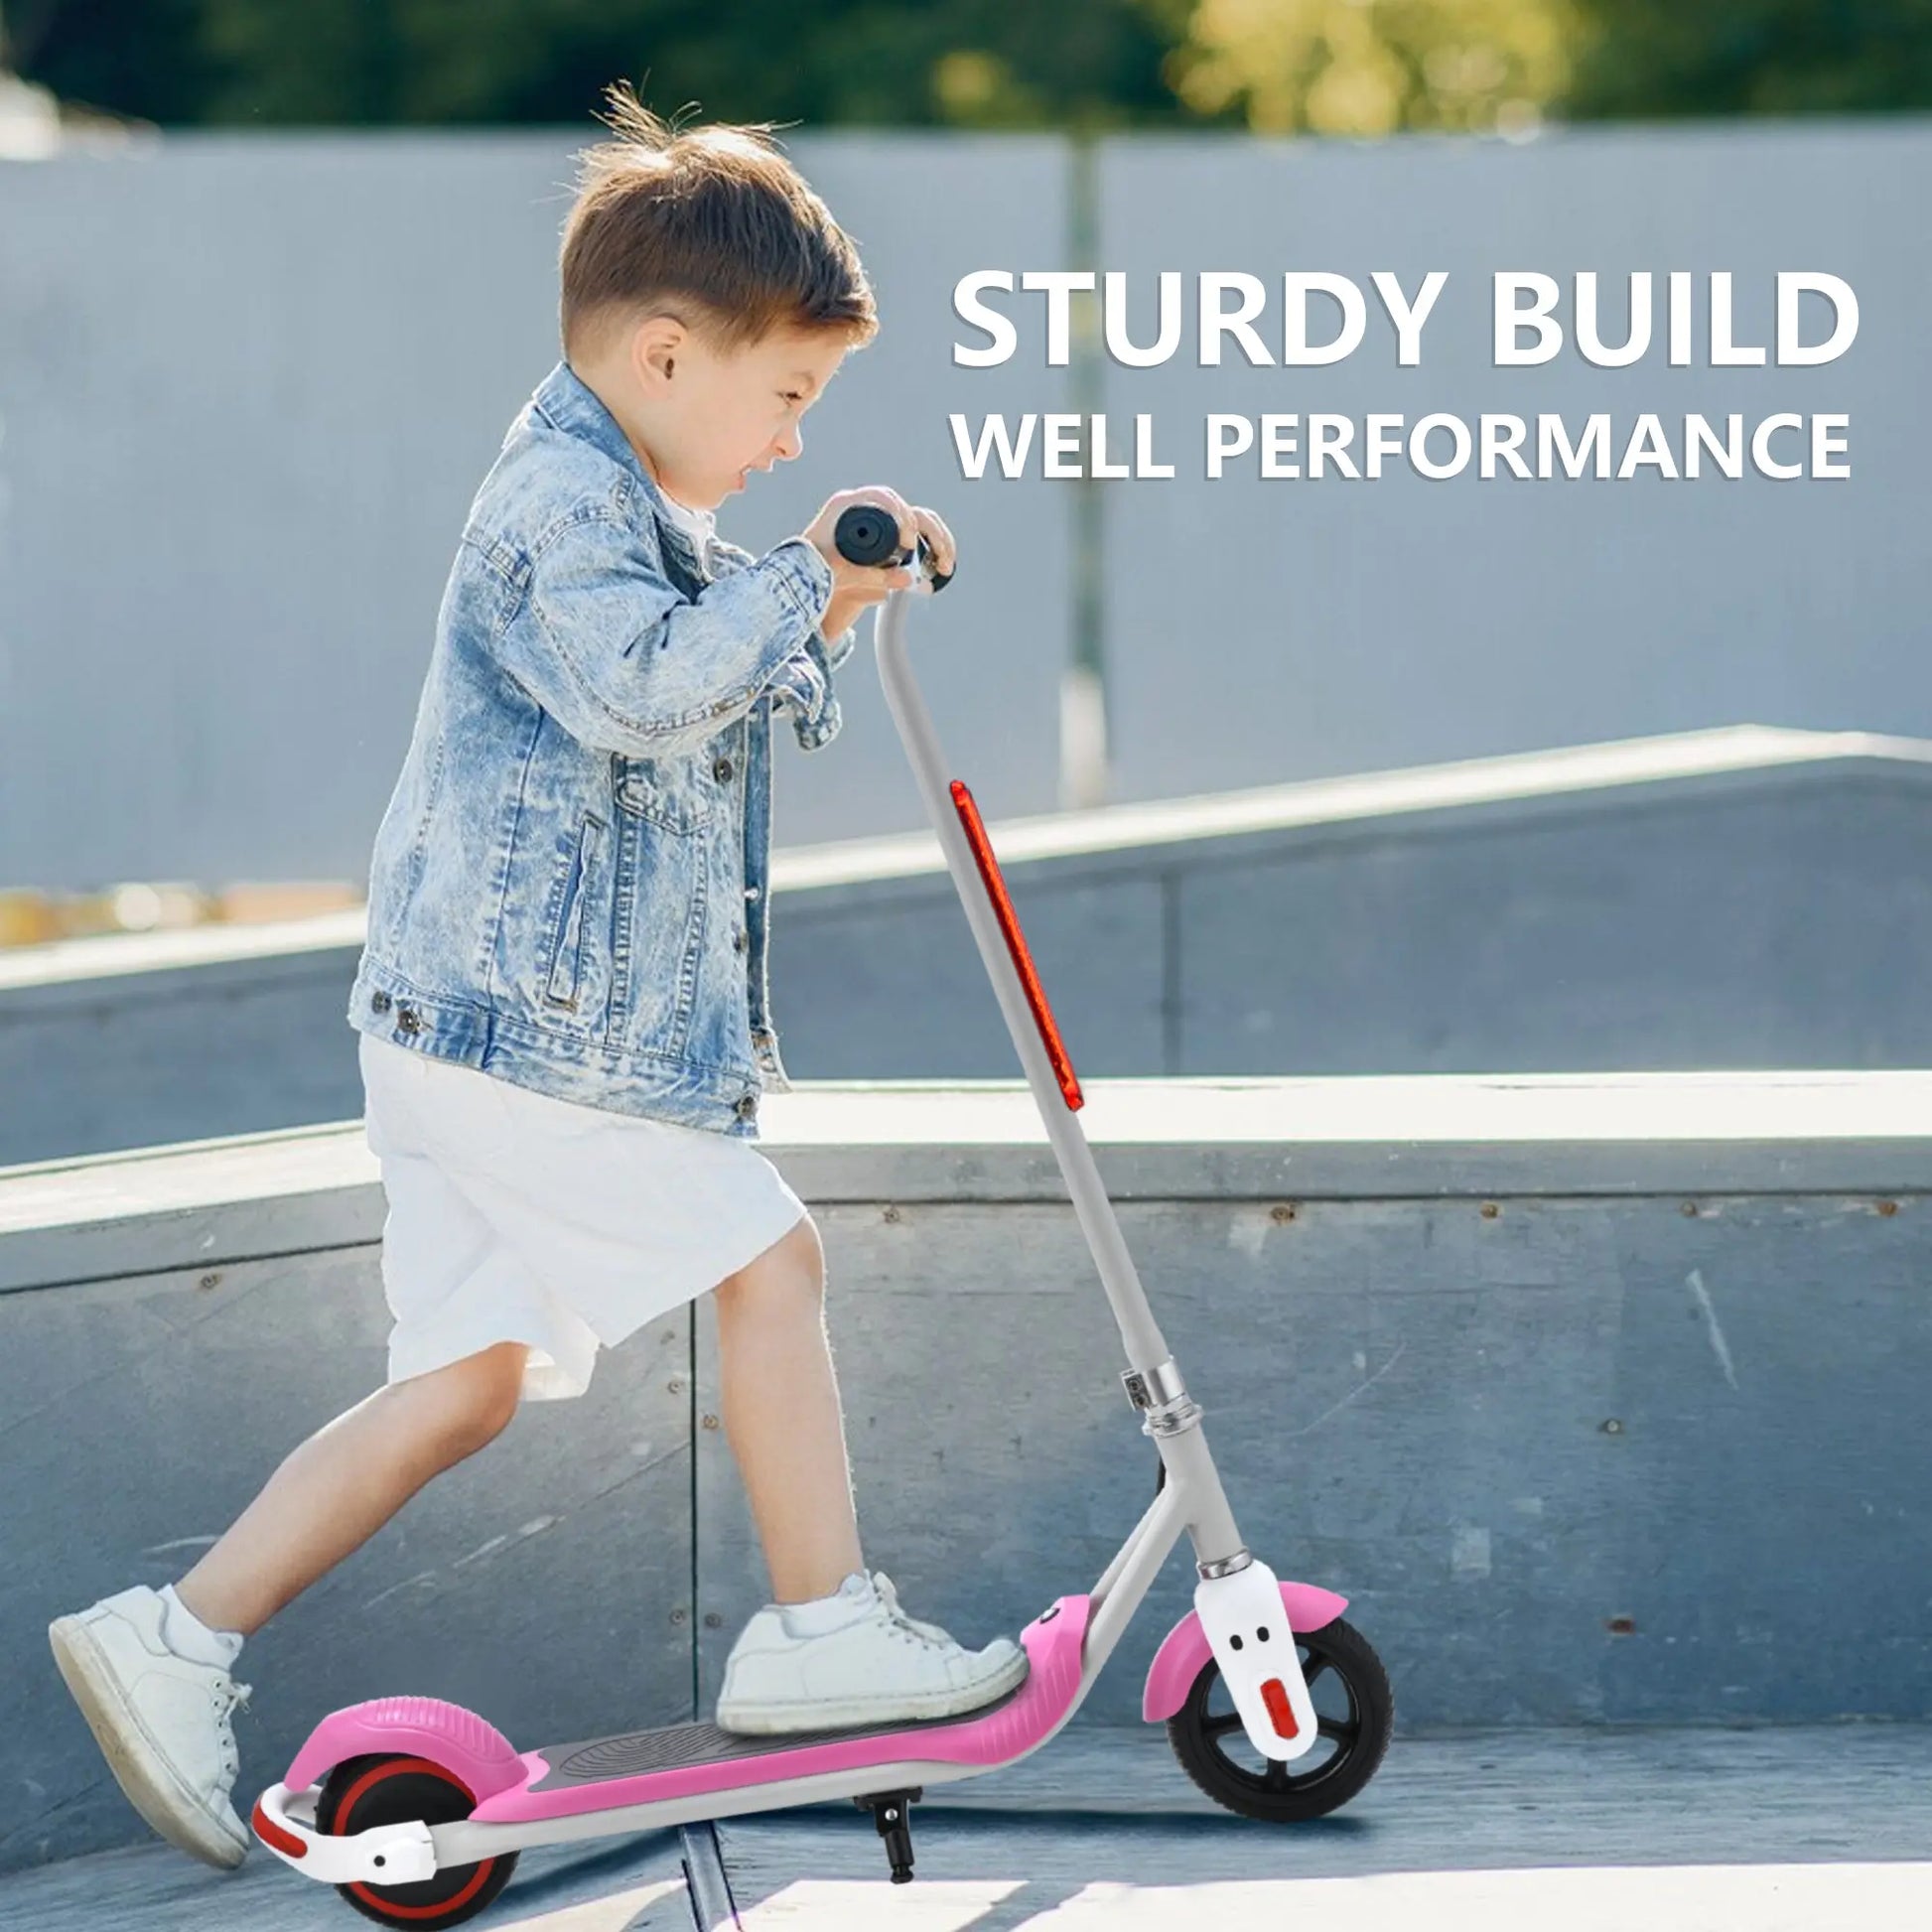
(447, 1734)
(1184, 1649)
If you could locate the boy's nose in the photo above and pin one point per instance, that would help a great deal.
(792, 444)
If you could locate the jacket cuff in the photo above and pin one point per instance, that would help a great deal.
(803, 575)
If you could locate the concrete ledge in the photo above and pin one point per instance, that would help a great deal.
(254, 1196)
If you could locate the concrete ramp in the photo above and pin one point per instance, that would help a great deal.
(1748, 898)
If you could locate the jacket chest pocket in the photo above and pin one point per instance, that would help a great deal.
(580, 869)
(682, 794)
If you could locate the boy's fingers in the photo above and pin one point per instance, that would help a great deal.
(881, 497)
(945, 551)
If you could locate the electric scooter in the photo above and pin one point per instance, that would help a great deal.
(417, 1809)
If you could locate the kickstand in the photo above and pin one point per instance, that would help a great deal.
(705, 1880)
(892, 1812)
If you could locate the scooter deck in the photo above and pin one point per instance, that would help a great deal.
(682, 1762)
(682, 1747)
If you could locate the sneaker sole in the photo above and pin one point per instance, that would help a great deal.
(147, 1779)
(783, 1719)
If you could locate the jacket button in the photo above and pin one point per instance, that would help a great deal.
(721, 771)
(408, 1020)
(378, 1003)
(746, 1107)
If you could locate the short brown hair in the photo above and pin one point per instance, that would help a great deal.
(712, 225)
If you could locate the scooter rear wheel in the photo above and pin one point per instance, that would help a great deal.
(362, 1792)
(1213, 1749)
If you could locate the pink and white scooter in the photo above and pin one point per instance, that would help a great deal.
(417, 1810)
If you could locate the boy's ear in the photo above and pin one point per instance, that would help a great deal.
(654, 346)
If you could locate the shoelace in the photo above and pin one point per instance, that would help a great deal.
(928, 1634)
(227, 1696)
(904, 1633)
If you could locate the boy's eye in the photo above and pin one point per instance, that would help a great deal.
(794, 396)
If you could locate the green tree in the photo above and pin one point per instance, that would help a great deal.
(1370, 67)
(131, 57)
(947, 62)
(1649, 58)
(1350, 66)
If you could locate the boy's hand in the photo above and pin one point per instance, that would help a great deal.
(856, 586)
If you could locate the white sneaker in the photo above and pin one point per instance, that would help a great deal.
(162, 1720)
(856, 1659)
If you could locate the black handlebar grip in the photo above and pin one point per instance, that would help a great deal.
(868, 535)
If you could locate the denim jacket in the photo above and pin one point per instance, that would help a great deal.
(569, 888)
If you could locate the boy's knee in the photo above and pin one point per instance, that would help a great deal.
(804, 1253)
(476, 1398)
(791, 1270)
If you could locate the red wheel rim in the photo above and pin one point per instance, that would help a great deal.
(392, 1768)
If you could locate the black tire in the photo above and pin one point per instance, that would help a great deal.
(390, 1790)
(1214, 1752)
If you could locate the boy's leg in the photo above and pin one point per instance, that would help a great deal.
(782, 1414)
(342, 1485)
(154, 1684)
(834, 1648)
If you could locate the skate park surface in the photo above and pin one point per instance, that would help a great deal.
(1791, 1828)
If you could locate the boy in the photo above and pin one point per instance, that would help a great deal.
(562, 1000)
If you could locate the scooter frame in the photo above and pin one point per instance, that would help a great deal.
(1068, 1645)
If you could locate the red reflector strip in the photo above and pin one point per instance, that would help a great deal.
(1274, 1693)
(273, 1835)
(1023, 960)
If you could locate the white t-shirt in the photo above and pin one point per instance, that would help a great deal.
(699, 525)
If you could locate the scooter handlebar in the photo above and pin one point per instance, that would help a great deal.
(867, 534)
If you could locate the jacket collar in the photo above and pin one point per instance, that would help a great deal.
(567, 402)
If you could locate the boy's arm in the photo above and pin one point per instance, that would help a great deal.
(611, 649)
(837, 649)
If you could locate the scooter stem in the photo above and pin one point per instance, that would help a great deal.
(1139, 1331)
(1153, 1383)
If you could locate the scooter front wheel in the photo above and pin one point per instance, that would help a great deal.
(1355, 1711)
(364, 1792)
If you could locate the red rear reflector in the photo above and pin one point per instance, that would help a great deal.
(996, 890)
(1274, 1693)
(272, 1834)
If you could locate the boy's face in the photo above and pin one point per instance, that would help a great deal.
(716, 416)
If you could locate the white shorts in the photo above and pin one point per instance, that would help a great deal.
(517, 1218)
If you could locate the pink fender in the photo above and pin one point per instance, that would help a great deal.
(1185, 1649)
(447, 1734)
